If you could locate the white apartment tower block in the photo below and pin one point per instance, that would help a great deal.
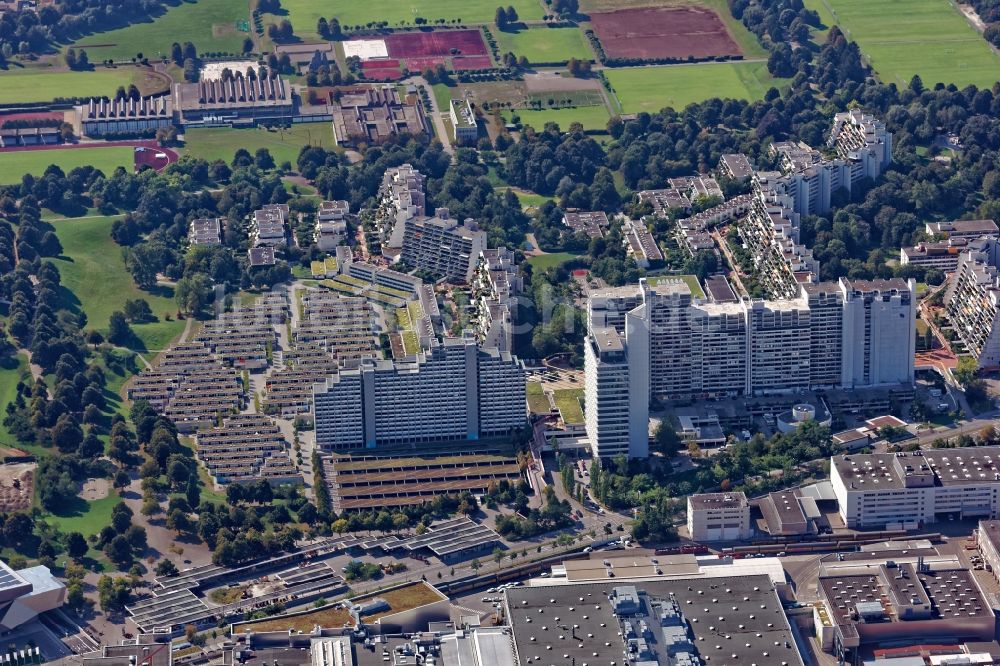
(453, 392)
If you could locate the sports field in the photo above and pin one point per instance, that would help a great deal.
(40, 85)
(591, 117)
(545, 45)
(92, 268)
(907, 37)
(305, 13)
(653, 88)
(209, 24)
(13, 165)
(221, 143)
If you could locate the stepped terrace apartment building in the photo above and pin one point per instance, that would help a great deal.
(453, 392)
(912, 489)
(443, 246)
(972, 300)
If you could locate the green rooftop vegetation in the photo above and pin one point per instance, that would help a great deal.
(569, 402)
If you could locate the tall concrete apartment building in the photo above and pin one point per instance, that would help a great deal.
(442, 246)
(453, 392)
(656, 339)
(972, 299)
(879, 332)
(496, 286)
(616, 389)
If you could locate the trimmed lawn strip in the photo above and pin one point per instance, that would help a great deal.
(14, 165)
(591, 117)
(284, 144)
(545, 45)
(568, 402)
(652, 89)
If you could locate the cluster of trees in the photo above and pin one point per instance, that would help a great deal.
(77, 60)
(505, 18)
(564, 7)
(122, 541)
(555, 514)
(329, 29)
(747, 466)
(281, 31)
(25, 31)
(989, 13)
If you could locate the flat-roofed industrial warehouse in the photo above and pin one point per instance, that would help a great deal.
(726, 620)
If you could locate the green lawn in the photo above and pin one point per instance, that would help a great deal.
(107, 159)
(568, 402)
(591, 117)
(906, 37)
(92, 268)
(42, 85)
(545, 45)
(209, 24)
(85, 517)
(12, 370)
(305, 13)
(690, 280)
(543, 261)
(284, 144)
(651, 89)
(443, 96)
(538, 403)
(530, 199)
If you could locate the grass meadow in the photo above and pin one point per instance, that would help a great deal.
(305, 13)
(13, 165)
(906, 37)
(651, 89)
(284, 144)
(41, 85)
(96, 280)
(591, 117)
(545, 45)
(209, 24)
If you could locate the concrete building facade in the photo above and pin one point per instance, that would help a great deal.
(718, 517)
(452, 392)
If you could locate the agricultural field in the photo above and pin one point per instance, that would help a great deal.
(305, 13)
(93, 270)
(284, 144)
(15, 164)
(906, 37)
(653, 88)
(663, 32)
(591, 117)
(209, 24)
(745, 39)
(545, 45)
(36, 84)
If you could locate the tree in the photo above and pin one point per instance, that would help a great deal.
(512, 16)
(166, 568)
(193, 293)
(76, 545)
(263, 159)
(119, 551)
(176, 54)
(138, 311)
(67, 434)
(501, 18)
(119, 332)
(965, 371)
